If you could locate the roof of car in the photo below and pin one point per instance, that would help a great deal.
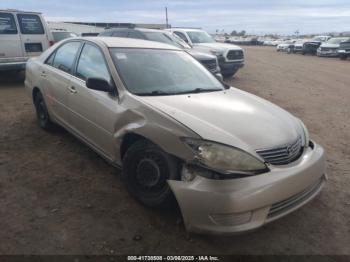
(129, 42)
(19, 11)
(186, 29)
(135, 28)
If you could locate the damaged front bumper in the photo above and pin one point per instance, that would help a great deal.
(243, 204)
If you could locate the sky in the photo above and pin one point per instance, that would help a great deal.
(253, 16)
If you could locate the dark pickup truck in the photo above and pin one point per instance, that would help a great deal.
(344, 50)
(310, 47)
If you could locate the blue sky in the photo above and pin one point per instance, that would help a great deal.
(254, 16)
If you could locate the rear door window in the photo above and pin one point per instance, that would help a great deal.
(30, 24)
(7, 24)
(65, 56)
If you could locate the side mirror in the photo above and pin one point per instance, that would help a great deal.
(99, 84)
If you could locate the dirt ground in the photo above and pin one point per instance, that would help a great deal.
(59, 197)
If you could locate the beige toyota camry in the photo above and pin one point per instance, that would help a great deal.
(232, 161)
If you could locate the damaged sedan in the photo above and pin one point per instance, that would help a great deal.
(231, 160)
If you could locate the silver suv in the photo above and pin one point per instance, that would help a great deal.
(208, 60)
(230, 57)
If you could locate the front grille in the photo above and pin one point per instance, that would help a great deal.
(210, 64)
(326, 49)
(289, 203)
(282, 155)
(235, 54)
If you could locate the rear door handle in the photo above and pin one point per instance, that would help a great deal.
(43, 74)
(72, 90)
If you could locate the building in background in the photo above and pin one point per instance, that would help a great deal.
(86, 28)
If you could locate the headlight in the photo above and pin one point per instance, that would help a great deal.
(216, 52)
(224, 159)
(306, 137)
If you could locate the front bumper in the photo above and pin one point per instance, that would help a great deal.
(343, 52)
(230, 67)
(243, 204)
(12, 66)
(327, 53)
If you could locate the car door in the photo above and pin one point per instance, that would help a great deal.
(56, 76)
(33, 37)
(10, 44)
(93, 113)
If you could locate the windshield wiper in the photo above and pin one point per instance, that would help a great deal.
(155, 93)
(199, 90)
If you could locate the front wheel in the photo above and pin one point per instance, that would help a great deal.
(146, 169)
(42, 113)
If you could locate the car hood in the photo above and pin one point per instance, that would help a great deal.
(330, 45)
(231, 117)
(219, 46)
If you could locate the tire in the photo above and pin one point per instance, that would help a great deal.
(146, 169)
(42, 113)
(231, 74)
(342, 57)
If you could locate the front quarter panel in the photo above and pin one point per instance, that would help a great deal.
(140, 118)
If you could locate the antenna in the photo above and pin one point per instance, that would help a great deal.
(166, 17)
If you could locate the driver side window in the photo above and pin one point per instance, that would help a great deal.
(92, 64)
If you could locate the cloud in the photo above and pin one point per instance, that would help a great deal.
(254, 16)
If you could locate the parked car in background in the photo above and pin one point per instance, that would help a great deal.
(330, 47)
(22, 35)
(310, 47)
(285, 46)
(233, 160)
(208, 60)
(59, 35)
(230, 57)
(297, 47)
(344, 49)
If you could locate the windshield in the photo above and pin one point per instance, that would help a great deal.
(319, 38)
(162, 72)
(336, 40)
(200, 37)
(164, 38)
(58, 36)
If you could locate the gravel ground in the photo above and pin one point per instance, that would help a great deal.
(59, 197)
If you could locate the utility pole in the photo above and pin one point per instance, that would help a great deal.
(166, 17)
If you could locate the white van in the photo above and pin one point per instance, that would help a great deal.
(22, 35)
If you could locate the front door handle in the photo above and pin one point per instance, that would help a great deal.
(43, 74)
(72, 90)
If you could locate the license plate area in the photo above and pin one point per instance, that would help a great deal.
(33, 47)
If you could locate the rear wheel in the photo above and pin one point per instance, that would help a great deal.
(146, 169)
(42, 113)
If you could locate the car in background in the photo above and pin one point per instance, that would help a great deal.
(208, 60)
(59, 35)
(22, 35)
(230, 57)
(344, 49)
(297, 47)
(330, 48)
(311, 46)
(285, 46)
(231, 160)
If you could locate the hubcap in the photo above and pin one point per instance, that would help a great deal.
(148, 173)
